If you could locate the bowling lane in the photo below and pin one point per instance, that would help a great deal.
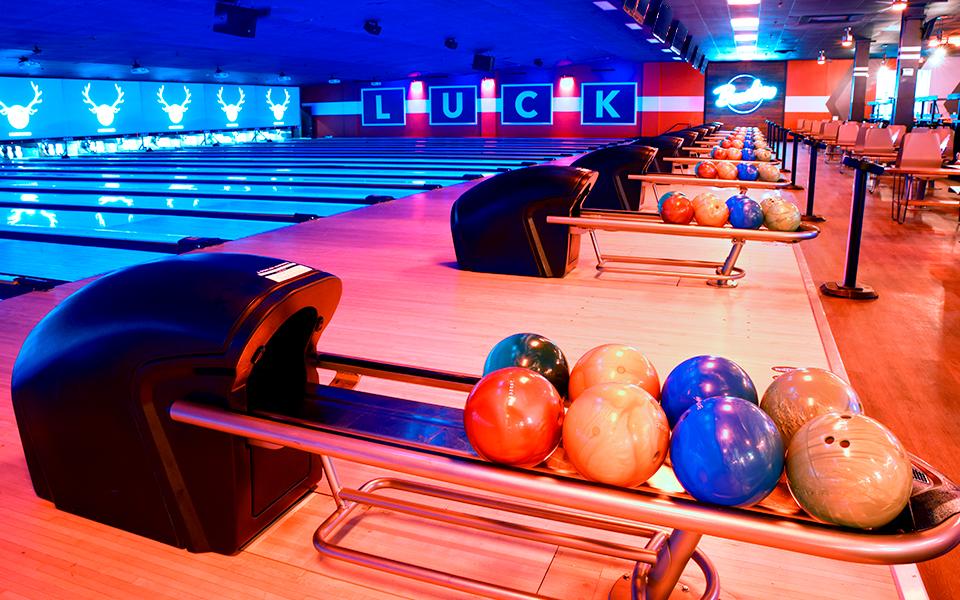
(240, 190)
(216, 207)
(66, 262)
(160, 177)
(126, 226)
(447, 176)
(242, 160)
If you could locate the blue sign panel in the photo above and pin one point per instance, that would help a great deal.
(30, 108)
(608, 103)
(383, 106)
(232, 106)
(97, 107)
(526, 104)
(281, 106)
(453, 105)
(172, 107)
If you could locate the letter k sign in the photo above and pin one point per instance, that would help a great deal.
(608, 103)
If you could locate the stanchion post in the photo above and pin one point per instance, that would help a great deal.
(849, 288)
(783, 162)
(809, 215)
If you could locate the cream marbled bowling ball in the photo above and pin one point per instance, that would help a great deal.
(763, 154)
(769, 198)
(782, 216)
(613, 363)
(801, 395)
(616, 433)
(726, 170)
(709, 210)
(849, 470)
(768, 172)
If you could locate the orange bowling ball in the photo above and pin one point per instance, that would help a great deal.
(514, 416)
(617, 434)
(614, 363)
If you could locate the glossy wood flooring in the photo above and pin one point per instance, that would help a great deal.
(901, 351)
(405, 301)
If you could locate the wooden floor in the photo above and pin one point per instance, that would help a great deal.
(405, 301)
(901, 351)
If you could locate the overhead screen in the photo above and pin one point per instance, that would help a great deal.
(36, 108)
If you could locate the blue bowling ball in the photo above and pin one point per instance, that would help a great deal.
(703, 377)
(747, 153)
(727, 451)
(745, 213)
(747, 172)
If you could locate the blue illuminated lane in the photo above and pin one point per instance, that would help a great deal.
(66, 262)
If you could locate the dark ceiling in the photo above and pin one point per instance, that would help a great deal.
(315, 41)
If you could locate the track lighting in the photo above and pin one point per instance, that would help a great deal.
(846, 40)
(822, 58)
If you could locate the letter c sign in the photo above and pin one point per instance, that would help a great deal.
(526, 104)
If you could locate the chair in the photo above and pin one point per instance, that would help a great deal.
(668, 146)
(896, 133)
(919, 150)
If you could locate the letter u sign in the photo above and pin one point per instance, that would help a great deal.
(453, 104)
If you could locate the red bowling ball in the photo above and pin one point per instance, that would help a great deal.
(718, 153)
(726, 144)
(706, 170)
(514, 416)
(678, 209)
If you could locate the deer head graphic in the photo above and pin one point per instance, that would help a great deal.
(278, 109)
(231, 110)
(18, 115)
(174, 111)
(105, 112)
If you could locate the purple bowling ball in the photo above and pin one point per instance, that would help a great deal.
(747, 172)
(745, 213)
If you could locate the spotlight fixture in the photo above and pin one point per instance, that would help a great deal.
(220, 74)
(333, 81)
(26, 62)
(899, 5)
(846, 40)
(137, 69)
(36, 49)
(936, 40)
(566, 83)
(451, 43)
(376, 83)
(538, 62)
(822, 58)
(372, 26)
(283, 77)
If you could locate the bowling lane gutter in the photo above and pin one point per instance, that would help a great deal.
(369, 199)
(168, 212)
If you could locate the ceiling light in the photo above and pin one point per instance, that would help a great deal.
(487, 84)
(416, 87)
(372, 26)
(899, 5)
(566, 83)
(25, 62)
(451, 43)
(742, 2)
(744, 37)
(846, 40)
(667, 50)
(653, 40)
(333, 81)
(604, 5)
(676, 58)
(822, 58)
(283, 77)
(376, 83)
(220, 74)
(137, 69)
(745, 23)
(633, 26)
(937, 57)
(954, 40)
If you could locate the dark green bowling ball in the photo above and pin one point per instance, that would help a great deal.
(533, 352)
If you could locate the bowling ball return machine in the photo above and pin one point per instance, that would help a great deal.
(182, 400)
(530, 222)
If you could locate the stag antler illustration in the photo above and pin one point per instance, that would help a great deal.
(224, 104)
(29, 108)
(286, 100)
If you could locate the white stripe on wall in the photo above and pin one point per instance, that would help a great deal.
(493, 105)
(806, 104)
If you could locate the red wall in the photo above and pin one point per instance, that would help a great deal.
(807, 80)
(668, 80)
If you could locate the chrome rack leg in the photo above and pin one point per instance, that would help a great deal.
(333, 480)
(596, 249)
(672, 559)
(728, 266)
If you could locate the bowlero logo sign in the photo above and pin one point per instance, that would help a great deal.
(745, 93)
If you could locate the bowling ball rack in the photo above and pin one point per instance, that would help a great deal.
(740, 184)
(411, 438)
(719, 274)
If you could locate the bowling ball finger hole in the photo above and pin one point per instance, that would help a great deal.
(845, 444)
(829, 439)
(846, 416)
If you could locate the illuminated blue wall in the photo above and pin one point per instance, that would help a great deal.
(32, 108)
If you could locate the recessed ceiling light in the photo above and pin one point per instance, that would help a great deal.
(653, 40)
(742, 2)
(745, 23)
(676, 58)
(744, 37)
(604, 5)
(667, 50)
(633, 26)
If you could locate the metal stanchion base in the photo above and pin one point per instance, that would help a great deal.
(812, 218)
(793, 187)
(782, 170)
(838, 290)
(623, 588)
